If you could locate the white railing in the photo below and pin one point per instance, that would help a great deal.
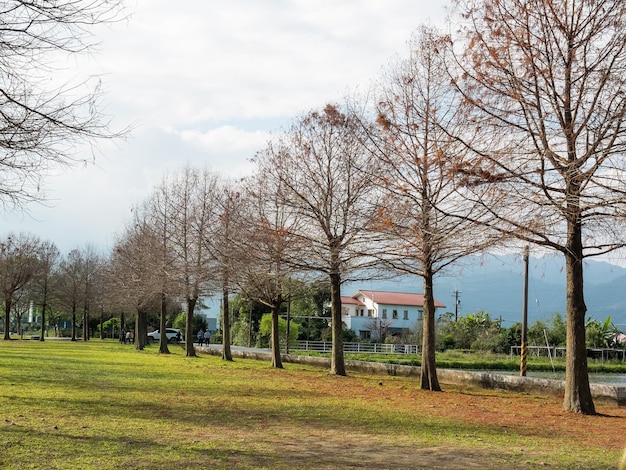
(603, 354)
(373, 348)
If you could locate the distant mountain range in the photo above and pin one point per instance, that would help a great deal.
(494, 283)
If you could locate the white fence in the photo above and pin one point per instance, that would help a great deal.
(603, 354)
(375, 348)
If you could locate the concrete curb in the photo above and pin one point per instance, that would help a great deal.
(606, 394)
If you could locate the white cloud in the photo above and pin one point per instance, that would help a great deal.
(206, 81)
(227, 149)
(204, 60)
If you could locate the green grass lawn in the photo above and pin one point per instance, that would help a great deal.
(96, 404)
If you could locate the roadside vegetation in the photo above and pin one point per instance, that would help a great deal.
(476, 360)
(477, 342)
(101, 404)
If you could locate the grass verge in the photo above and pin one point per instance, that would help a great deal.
(104, 405)
(489, 361)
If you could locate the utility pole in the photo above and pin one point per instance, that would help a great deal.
(457, 302)
(522, 370)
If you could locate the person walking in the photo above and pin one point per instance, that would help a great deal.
(207, 337)
(200, 337)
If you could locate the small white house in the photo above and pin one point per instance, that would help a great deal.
(374, 314)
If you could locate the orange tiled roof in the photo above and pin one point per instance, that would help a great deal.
(351, 300)
(396, 298)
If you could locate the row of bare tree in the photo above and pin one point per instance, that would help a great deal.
(509, 132)
(514, 124)
(34, 276)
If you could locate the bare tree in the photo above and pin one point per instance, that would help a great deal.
(269, 245)
(194, 212)
(42, 121)
(91, 266)
(49, 259)
(158, 214)
(18, 266)
(21, 304)
(71, 271)
(78, 271)
(222, 243)
(544, 83)
(323, 172)
(132, 276)
(423, 219)
(165, 252)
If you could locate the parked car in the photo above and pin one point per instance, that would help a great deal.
(171, 333)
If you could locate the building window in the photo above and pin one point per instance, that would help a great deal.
(361, 312)
(420, 314)
(370, 312)
(395, 314)
(406, 314)
(384, 313)
(365, 334)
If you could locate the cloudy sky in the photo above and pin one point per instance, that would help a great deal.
(205, 82)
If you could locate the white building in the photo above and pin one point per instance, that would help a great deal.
(374, 314)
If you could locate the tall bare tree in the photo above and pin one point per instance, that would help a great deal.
(91, 268)
(194, 212)
(70, 285)
(323, 172)
(42, 121)
(422, 216)
(18, 266)
(131, 277)
(158, 214)
(269, 246)
(222, 242)
(545, 85)
(49, 256)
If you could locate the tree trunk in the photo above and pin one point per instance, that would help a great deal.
(577, 391)
(276, 359)
(73, 324)
(101, 323)
(141, 330)
(337, 363)
(43, 319)
(226, 354)
(86, 325)
(190, 351)
(428, 370)
(7, 319)
(163, 349)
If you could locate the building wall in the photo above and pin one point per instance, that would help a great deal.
(371, 320)
(352, 310)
